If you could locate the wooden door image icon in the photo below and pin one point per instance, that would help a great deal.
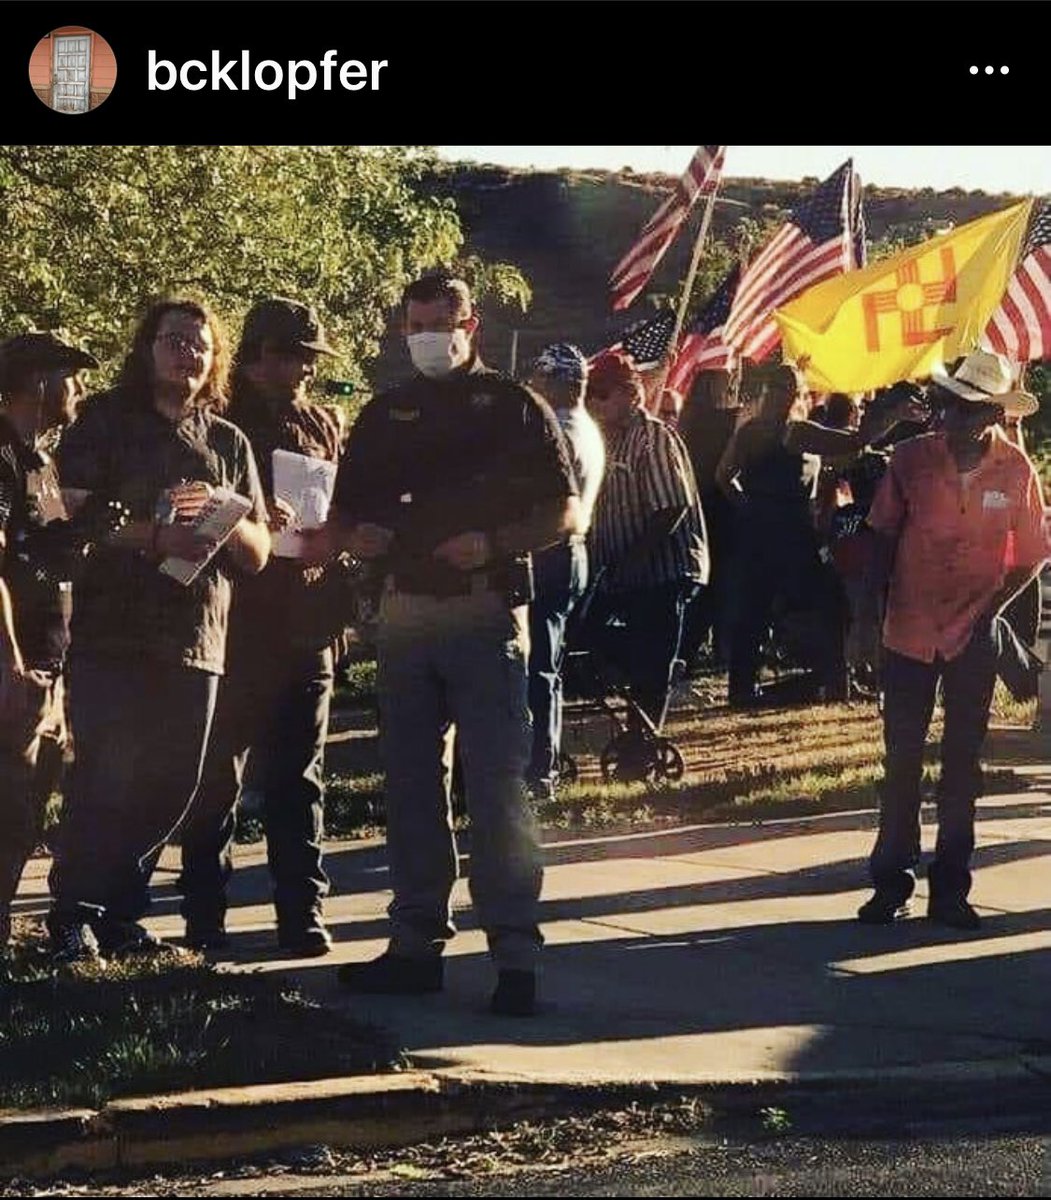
(72, 69)
(71, 82)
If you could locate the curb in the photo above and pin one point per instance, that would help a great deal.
(370, 1112)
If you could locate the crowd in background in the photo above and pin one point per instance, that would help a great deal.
(487, 516)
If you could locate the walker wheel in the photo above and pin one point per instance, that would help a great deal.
(670, 764)
(568, 771)
(629, 758)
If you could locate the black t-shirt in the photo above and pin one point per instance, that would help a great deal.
(286, 601)
(772, 474)
(121, 448)
(30, 500)
(431, 459)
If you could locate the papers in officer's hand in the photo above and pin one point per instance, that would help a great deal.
(215, 521)
(307, 485)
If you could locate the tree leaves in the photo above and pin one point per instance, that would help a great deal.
(92, 233)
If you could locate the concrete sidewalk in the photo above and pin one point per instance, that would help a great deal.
(707, 953)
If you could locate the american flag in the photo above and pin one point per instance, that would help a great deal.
(702, 347)
(633, 271)
(822, 237)
(646, 341)
(1020, 327)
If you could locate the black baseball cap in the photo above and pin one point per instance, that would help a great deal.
(41, 350)
(285, 322)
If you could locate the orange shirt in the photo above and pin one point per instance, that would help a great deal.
(957, 536)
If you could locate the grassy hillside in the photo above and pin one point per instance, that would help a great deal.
(566, 230)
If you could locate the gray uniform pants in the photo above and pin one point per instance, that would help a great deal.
(458, 660)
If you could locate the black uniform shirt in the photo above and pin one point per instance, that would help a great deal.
(431, 459)
(30, 499)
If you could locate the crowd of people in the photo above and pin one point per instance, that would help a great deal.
(877, 541)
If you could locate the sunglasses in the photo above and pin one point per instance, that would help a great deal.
(177, 343)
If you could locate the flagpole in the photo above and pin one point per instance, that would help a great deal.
(684, 301)
(1019, 374)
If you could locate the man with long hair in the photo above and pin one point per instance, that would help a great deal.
(272, 707)
(147, 651)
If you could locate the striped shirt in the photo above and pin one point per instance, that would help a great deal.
(648, 471)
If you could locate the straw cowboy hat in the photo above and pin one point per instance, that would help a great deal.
(987, 378)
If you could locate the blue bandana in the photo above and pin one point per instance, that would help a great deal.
(562, 361)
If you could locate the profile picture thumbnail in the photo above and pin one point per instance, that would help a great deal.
(72, 69)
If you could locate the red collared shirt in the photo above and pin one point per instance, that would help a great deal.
(958, 534)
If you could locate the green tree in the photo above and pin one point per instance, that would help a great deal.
(92, 233)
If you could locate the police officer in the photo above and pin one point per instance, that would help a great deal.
(41, 387)
(449, 480)
(273, 708)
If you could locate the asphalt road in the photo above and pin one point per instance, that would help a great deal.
(954, 1166)
(844, 1148)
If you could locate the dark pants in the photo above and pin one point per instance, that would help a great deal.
(646, 648)
(140, 731)
(711, 610)
(776, 562)
(909, 692)
(274, 707)
(560, 580)
(31, 752)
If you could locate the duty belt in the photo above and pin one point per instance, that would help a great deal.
(472, 583)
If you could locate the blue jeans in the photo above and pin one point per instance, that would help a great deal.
(909, 692)
(140, 731)
(561, 576)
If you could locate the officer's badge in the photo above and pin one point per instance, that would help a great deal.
(480, 401)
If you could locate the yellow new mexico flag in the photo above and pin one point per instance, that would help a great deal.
(898, 317)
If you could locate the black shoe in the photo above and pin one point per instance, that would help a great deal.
(305, 938)
(206, 935)
(392, 975)
(117, 938)
(884, 908)
(74, 942)
(953, 911)
(515, 994)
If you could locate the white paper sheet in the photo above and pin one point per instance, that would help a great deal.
(307, 485)
(217, 520)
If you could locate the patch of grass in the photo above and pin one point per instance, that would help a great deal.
(354, 805)
(775, 1120)
(165, 1023)
(354, 808)
(1008, 711)
(738, 766)
(359, 684)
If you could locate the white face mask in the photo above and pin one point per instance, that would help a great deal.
(438, 354)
